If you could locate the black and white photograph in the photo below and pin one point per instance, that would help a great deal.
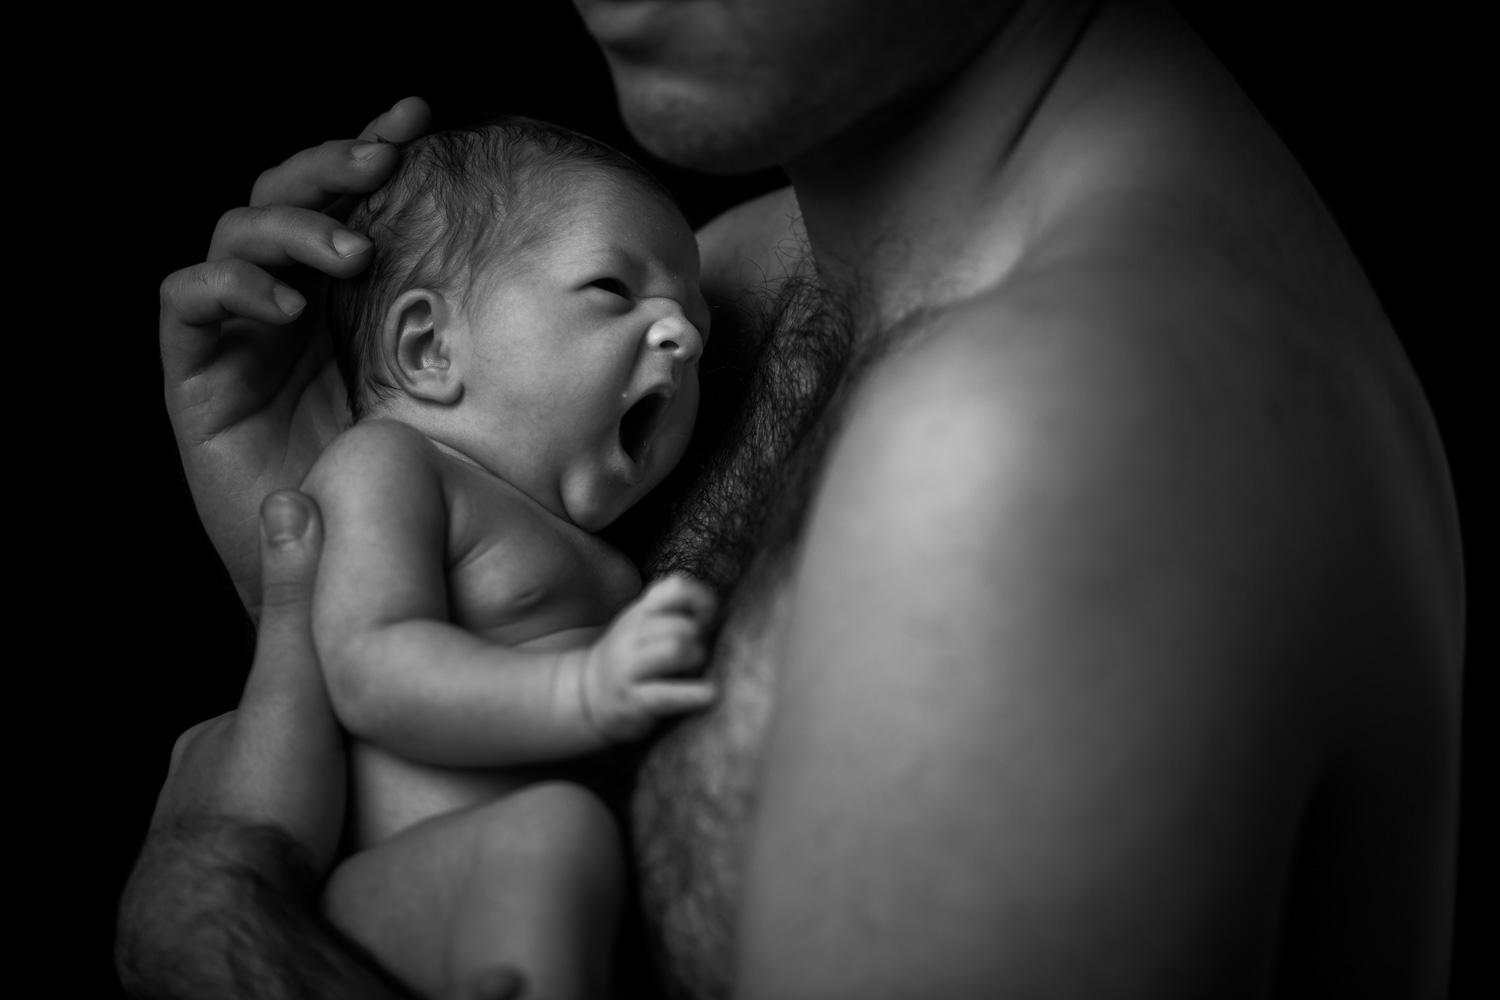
(779, 499)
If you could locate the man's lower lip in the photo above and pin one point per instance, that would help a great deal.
(629, 23)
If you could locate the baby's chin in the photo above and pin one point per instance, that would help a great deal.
(593, 510)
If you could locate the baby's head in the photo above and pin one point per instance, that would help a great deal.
(533, 304)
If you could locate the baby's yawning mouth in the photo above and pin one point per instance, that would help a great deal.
(639, 424)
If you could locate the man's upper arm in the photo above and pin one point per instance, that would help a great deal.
(1040, 731)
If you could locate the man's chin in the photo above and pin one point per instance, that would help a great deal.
(699, 133)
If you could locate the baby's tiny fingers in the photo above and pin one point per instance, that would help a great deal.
(680, 593)
(667, 626)
(668, 655)
(675, 697)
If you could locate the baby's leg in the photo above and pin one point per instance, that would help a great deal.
(531, 881)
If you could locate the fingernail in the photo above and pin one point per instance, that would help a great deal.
(348, 244)
(289, 300)
(283, 518)
(365, 150)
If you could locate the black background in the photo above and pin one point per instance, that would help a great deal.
(146, 131)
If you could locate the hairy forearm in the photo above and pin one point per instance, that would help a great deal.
(220, 908)
(435, 693)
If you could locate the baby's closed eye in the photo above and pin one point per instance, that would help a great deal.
(613, 286)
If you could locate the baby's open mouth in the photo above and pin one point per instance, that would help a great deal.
(639, 424)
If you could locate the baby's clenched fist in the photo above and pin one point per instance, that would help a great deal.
(638, 671)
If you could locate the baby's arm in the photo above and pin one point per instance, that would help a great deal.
(402, 676)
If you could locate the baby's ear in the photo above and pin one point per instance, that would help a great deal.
(417, 341)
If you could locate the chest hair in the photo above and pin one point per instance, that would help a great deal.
(732, 515)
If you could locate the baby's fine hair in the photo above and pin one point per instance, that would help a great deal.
(462, 200)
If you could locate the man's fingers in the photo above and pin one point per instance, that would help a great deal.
(320, 177)
(287, 765)
(315, 178)
(407, 119)
(205, 295)
(188, 740)
(276, 759)
(218, 290)
(291, 538)
(277, 235)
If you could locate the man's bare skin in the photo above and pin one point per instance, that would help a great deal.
(1153, 392)
(1114, 648)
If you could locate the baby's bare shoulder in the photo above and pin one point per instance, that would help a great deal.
(387, 463)
(381, 475)
(371, 449)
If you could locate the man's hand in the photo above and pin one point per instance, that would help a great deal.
(278, 759)
(251, 387)
(224, 899)
(631, 677)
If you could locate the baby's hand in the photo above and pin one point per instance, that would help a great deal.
(633, 676)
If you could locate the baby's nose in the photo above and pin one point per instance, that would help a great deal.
(673, 333)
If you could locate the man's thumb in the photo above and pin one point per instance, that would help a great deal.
(290, 537)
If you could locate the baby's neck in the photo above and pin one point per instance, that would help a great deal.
(452, 452)
(418, 419)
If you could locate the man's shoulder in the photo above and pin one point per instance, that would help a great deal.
(1098, 415)
(1155, 356)
(1059, 360)
(1125, 398)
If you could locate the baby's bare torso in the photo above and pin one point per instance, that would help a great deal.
(518, 576)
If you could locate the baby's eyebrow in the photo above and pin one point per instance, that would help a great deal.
(631, 263)
(605, 258)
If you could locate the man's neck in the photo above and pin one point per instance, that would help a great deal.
(917, 206)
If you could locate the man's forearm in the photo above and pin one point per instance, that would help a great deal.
(220, 908)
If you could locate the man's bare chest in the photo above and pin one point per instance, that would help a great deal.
(695, 792)
(740, 529)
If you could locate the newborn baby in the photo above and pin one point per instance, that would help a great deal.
(522, 366)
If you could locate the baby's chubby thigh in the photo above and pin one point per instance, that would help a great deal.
(532, 881)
